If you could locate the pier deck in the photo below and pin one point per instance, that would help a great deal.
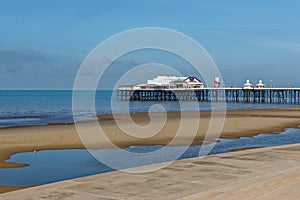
(255, 95)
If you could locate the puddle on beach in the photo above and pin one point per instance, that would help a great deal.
(56, 165)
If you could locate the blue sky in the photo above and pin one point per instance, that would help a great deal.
(43, 43)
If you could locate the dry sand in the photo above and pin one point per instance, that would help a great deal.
(238, 123)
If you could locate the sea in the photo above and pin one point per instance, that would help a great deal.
(35, 107)
(41, 107)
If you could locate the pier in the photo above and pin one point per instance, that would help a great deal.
(254, 95)
(172, 88)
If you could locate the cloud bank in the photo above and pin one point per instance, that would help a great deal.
(12, 60)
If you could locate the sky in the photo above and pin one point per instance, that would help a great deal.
(43, 43)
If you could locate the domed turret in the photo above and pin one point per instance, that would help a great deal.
(260, 84)
(248, 85)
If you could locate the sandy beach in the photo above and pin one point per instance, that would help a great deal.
(238, 123)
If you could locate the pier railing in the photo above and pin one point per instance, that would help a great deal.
(255, 95)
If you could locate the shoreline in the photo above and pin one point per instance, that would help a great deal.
(265, 173)
(283, 106)
(239, 123)
(290, 117)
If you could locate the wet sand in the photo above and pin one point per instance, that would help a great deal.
(4, 189)
(238, 123)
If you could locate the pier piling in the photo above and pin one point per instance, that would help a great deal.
(254, 95)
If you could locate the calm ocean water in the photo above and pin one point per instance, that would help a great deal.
(36, 107)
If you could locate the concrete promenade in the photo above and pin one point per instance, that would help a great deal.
(267, 173)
